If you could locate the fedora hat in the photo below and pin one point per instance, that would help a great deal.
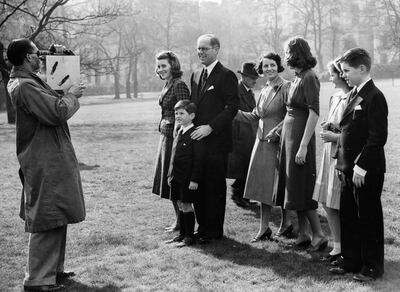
(249, 69)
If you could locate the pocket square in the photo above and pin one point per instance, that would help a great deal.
(210, 88)
(357, 108)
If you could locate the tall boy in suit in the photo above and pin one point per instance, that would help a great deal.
(186, 170)
(361, 167)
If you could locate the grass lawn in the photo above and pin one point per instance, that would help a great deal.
(120, 245)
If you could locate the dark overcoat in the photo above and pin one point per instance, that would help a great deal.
(243, 137)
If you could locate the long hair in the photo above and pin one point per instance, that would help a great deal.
(173, 61)
(298, 54)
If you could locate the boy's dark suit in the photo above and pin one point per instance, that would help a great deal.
(217, 104)
(187, 162)
(363, 136)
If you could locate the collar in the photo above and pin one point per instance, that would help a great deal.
(275, 82)
(21, 71)
(211, 67)
(184, 129)
(358, 88)
(245, 87)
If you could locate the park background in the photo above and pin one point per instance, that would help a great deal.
(120, 245)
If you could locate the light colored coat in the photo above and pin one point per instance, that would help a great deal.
(270, 112)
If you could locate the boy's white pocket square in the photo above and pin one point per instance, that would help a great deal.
(357, 108)
(210, 88)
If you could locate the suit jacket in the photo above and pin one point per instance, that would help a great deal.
(188, 159)
(364, 131)
(243, 136)
(171, 94)
(217, 104)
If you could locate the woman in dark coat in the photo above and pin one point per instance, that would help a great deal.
(168, 68)
(297, 171)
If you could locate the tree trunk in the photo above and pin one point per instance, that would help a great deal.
(116, 85)
(135, 77)
(5, 78)
(128, 78)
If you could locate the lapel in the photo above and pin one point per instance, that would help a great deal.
(195, 85)
(246, 97)
(165, 90)
(273, 96)
(210, 80)
(278, 87)
(358, 98)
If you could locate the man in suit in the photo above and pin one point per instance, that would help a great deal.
(361, 167)
(243, 134)
(214, 91)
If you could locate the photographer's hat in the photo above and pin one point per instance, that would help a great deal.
(249, 69)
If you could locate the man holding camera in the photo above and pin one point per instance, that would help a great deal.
(52, 190)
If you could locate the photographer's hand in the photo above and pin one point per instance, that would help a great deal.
(76, 90)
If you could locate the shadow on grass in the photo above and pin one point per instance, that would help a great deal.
(74, 286)
(287, 262)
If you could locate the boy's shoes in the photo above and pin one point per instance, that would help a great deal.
(178, 238)
(363, 278)
(187, 241)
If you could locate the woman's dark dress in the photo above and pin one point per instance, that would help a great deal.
(170, 95)
(295, 183)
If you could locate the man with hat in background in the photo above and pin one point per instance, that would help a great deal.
(243, 135)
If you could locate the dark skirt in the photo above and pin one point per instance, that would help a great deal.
(160, 184)
(181, 192)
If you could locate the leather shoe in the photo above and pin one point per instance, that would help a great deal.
(178, 238)
(330, 258)
(240, 202)
(172, 228)
(287, 232)
(363, 278)
(65, 275)
(187, 241)
(203, 240)
(338, 271)
(320, 245)
(303, 243)
(43, 288)
(266, 235)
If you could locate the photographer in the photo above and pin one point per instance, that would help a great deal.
(52, 190)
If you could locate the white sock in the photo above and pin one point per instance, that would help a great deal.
(336, 249)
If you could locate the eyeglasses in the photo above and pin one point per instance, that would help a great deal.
(204, 49)
(37, 53)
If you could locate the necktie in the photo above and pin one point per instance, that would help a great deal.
(204, 77)
(251, 92)
(352, 95)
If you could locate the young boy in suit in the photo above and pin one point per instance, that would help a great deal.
(361, 167)
(185, 171)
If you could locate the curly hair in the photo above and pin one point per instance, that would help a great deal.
(272, 56)
(173, 61)
(298, 54)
